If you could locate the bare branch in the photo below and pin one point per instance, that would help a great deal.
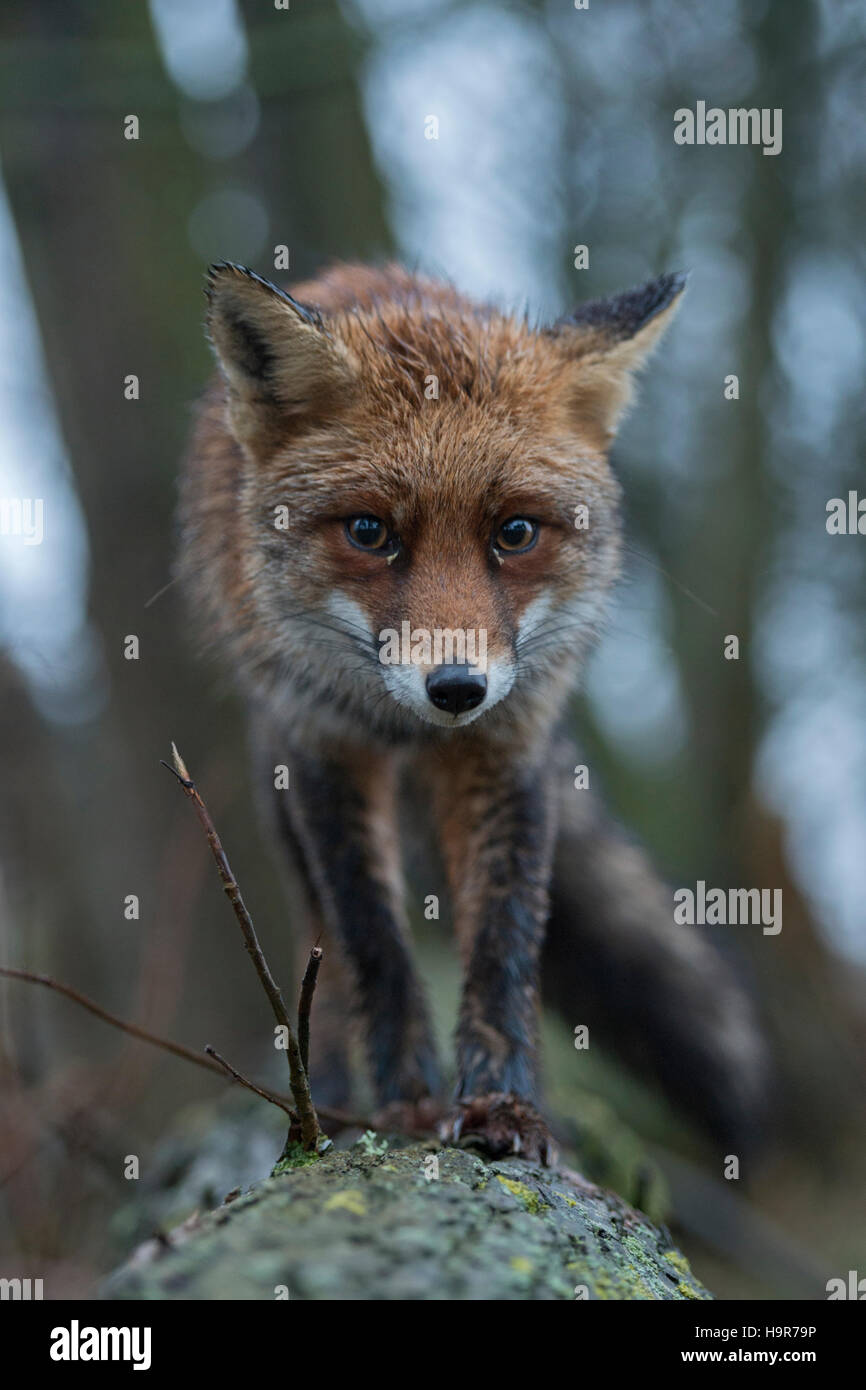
(305, 1003)
(297, 1073)
(132, 1028)
(244, 1081)
(338, 1118)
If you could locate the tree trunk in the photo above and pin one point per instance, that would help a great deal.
(367, 1223)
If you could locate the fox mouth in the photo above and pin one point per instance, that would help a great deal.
(449, 696)
(446, 692)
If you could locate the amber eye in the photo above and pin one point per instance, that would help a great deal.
(368, 532)
(516, 534)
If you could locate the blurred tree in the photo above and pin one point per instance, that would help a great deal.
(103, 222)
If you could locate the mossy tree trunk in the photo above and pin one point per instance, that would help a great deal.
(381, 1222)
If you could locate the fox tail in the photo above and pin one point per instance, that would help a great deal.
(662, 996)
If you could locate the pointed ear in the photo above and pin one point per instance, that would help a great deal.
(280, 364)
(605, 341)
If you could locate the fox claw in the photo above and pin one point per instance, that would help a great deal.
(501, 1124)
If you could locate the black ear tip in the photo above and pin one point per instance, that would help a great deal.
(676, 280)
(650, 299)
(621, 316)
(218, 270)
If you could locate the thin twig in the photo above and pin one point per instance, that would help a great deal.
(305, 1003)
(335, 1117)
(297, 1074)
(245, 1081)
(132, 1028)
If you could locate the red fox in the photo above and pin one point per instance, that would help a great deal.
(401, 529)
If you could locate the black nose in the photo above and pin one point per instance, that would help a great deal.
(456, 688)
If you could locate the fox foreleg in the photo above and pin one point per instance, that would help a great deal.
(342, 812)
(498, 829)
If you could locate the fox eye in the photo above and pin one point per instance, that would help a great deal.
(516, 534)
(368, 533)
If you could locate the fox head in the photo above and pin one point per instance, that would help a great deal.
(422, 523)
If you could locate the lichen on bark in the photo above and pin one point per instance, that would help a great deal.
(365, 1224)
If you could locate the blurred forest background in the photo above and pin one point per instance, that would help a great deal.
(305, 127)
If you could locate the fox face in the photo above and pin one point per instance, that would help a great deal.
(401, 502)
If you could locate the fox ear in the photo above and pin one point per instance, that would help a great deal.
(279, 362)
(607, 340)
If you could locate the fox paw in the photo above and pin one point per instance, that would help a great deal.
(500, 1124)
(421, 1117)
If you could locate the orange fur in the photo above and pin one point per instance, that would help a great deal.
(520, 426)
(376, 393)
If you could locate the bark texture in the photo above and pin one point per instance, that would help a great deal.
(367, 1223)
